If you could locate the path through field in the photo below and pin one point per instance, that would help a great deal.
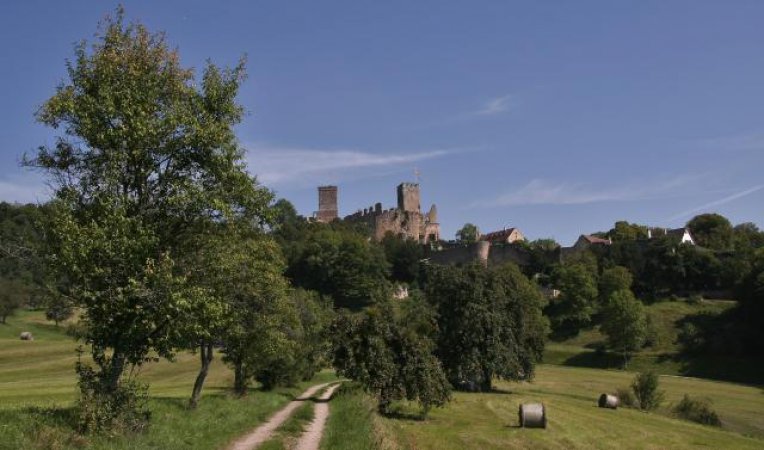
(311, 438)
(264, 431)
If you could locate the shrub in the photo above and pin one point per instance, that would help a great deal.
(626, 397)
(646, 393)
(694, 299)
(106, 409)
(697, 410)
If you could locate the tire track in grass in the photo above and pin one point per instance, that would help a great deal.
(262, 433)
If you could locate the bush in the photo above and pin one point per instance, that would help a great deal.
(626, 397)
(694, 299)
(697, 410)
(646, 393)
(104, 409)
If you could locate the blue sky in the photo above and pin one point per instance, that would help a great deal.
(556, 117)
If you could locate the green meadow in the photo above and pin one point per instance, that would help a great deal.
(38, 388)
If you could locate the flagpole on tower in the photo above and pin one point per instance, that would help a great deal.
(416, 174)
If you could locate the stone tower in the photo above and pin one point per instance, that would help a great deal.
(327, 204)
(408, 197)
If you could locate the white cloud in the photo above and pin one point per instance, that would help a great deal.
(718, 202)
(493, 106)
(544, 192)
(279, 166)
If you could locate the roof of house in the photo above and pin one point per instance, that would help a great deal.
(595, 240)
(498, 235)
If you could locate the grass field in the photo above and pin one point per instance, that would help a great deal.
(38, 388)
(489, 421)
(664, 357)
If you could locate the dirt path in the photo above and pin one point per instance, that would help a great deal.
(311, 438)
(264, 431)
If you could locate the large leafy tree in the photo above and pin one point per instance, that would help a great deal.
(490, 323)
(468, 233)
(339, 263)
(573, 309)
(390, 359)
(147, 157)
(713, 231)
(624, 323)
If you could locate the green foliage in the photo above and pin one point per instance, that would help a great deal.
(468, 233)
(147, 158)
(646, 393)
(338, 263)
(260, 334)
(573, 309)
(697, 410)
(13, 294)
(389, 360)
(404, 256)
(624, 323)
(625, 231)
(490, 323)
(613, 279)
(712, 231)
(58, 308)
(102, 408)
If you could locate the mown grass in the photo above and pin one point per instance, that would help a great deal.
(665, 357)
(570, 394)
(351, 423)
(38, 389)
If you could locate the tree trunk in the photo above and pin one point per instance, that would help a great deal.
(239, 383)
(205, 352)
(485, 385)
(114, 371)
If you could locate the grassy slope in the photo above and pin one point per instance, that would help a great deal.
(663, 357)
(40, 374)
(490, 420)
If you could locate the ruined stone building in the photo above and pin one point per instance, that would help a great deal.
(327, 204)
(407, 220)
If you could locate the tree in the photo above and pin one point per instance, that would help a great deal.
(341, 264)
(573, 309)
(388, 359)
(490, 323)
(12, 296)
(624, 323)
(404, 256)
(613, 279)
(625, 231)
(260, 337)
(58, 308)
(712, 231)
(645, 388)
(468, 234)
(147, 158)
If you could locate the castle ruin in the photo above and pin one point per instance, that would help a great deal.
(407, 220)
(327, 204)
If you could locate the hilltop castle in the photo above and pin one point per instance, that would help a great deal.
(407, 220)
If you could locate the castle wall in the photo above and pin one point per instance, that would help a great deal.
(493, 255)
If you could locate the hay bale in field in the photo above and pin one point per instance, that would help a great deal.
(532, 415)
(608, 401)
(26, 336)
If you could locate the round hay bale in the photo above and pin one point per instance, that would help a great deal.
(532, 415)
(608, 401)
(26, 336)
